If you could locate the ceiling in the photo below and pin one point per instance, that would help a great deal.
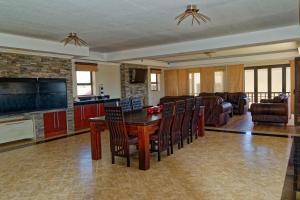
(244, 51)
(114, 25)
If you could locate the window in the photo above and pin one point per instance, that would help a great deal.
(219, 81)
(249, 80)
(155, 79)
(265, 82)
(84, 83)
(194, 83)
(288, 80)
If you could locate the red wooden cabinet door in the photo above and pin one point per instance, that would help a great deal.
(78, 117)
(55, 124)
(89, 111)
(49, 126)
(101, 109)
(62, 122)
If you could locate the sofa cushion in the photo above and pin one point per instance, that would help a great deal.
(224, 95)
(227, 107)
(206, 94)
(278, 99)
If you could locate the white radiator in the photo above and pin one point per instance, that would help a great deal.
(16, 130)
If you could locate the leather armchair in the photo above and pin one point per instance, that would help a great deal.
(217, 111)
(275, 110)
(239, 100)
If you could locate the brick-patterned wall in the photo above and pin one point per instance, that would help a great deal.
(30, 66)
(136, 89)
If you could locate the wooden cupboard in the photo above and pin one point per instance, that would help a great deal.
(82, 113)
(55, 124)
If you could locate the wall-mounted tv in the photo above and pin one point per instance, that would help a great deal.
(19, 95)
(137, 75)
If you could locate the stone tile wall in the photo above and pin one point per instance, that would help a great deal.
(136, 89)
(30, 66)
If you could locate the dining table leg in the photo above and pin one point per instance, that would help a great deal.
(201, 123)
(144, 153)
(96, 128)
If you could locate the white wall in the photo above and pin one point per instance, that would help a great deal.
(109, 76)
(154, 96)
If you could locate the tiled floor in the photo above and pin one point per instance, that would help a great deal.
(218, 166)
(244, 123)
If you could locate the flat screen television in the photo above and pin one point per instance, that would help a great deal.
(19, 95)
(137, 75)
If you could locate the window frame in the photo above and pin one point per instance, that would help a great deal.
(191, 87)
(269, 68)
(157, 82)
(223, 84)
(85, 84)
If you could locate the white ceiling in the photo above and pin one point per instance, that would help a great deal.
(113, 25)
(254, 50)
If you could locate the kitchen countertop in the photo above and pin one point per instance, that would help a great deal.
(85, 102)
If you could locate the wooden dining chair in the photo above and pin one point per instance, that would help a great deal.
(119, 139)
(126, 105)
(186, 124)
(195, 119)
(175, 136)
(137, 103)
(161, 140)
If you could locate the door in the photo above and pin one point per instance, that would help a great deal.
(55, 124)
(62, 121)
(100, 110)
(49, 124)
(78, 117)
(89, 111)
(297, 91)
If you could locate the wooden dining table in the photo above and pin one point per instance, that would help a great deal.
(138, 123)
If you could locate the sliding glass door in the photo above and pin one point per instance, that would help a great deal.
(267, 81)
(262, 84)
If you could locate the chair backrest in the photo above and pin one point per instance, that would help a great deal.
(186, 124)
(165, 125)
(195, 118)
(111, 104)
(118, 135)
(125, 104)
(177, 121)
(137, 103)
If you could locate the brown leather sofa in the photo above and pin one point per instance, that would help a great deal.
(217, 111)
(239, 100)
(277, 110)
(173, 98)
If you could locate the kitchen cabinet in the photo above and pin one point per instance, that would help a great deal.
(82, 113)
(55, 124)
(100, 110)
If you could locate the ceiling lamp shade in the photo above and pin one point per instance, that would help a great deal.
(72, 37)
(192, 10)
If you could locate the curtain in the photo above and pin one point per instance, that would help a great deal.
(292, 65)
(80, 66)
(207, 79)
(234, 78)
